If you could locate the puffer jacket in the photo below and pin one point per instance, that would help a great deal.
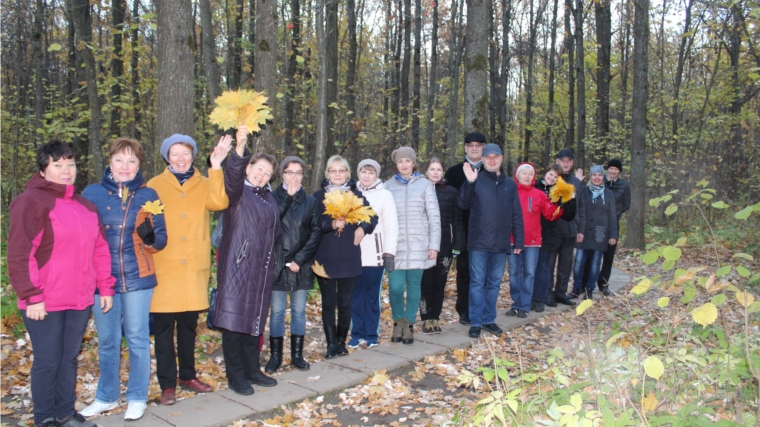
(536, 208)
(384, 238)
(550, 239)
(597, 220)
(495, 213)
(131, 260)
(246, 263)
(337, 253)
(452, 230)
(419, 222)
(301, 225)
(57, 251)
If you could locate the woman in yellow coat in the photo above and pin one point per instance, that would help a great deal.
(183, 267)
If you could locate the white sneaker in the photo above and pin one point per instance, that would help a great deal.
(98, 407)
(135, 410)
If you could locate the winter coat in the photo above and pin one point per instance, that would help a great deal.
(384, 238)
(597, 220)
(131, 259)
(536, 207)
(495, 213)
(622, 192)
(452, 230)
(183, 267)
(570, 228)
(419, 222)
(550, 239)
(57, 250)
(337, 253)
(455, 177)
(301, 232)
(246, 269)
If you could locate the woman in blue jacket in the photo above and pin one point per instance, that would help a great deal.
(131, 214)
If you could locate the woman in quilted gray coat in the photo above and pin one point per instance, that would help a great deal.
(246, 264)
(419, 240)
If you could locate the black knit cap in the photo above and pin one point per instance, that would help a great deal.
(615, 163)
(475, 137)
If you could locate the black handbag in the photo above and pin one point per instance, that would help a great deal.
(212, 309)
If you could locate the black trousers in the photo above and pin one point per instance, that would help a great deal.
(241, 356)
(56, 342)
(463, 283)
(166, 359)
(337, 293)
(433, 287)
(564, 265)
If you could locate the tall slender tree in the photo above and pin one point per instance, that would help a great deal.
(603, 16)
(265, 68)
(476, 67)
(417, 82)
(209, 52)
(320, 146)
(432, 83)
(550, 102)
(580, 73)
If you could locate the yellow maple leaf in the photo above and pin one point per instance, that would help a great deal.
(241, 107)
(379, 378)
(561, 191)
(319, 270)
(649, 403)
(705, 314)
(155, 207)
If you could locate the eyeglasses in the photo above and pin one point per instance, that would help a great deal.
(291, 173)
(337, 171)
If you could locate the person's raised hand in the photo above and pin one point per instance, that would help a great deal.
(469, 172)
(579, 174)
(220, 151)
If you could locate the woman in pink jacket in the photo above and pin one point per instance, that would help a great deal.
(57, 256)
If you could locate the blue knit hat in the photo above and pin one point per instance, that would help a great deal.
(596, 169)
(176, 139)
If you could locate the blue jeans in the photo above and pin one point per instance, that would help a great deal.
(522, 273)
(297, 312)
(130, 312)
(486, 271)
(543, 282)
(365, 304)
(411, 281)
(581, 255)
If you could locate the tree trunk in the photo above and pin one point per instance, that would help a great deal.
(625, 63)
(570, 49)
(580, 72)
(118, 10)
(552, 65)
(535, 19)
(209, 52)
(83, 24)
(288, 113)
(406, 65)
(455, 61)
(679, 75)
(134, 125)
(265, 70)
(416, 90)
(174, 113)
(353, 123)
(321, 135)
(476, 67)
(331, 33)
(635, 236)
(252, 36)
(506, 22)
(433, 85)
(39, 67)
(604, 46)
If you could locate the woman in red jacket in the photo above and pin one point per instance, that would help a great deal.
(57, 256)
(522, 267)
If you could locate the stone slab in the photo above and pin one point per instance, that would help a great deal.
(449, 338)
(369, 361)
(208, 410)
(265, 399)
(417, 351)
(117, 420)
(324, 377)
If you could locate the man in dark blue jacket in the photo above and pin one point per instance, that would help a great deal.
(495, 219)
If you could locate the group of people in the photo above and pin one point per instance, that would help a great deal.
(130, 251)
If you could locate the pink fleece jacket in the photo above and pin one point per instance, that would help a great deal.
(57, 252)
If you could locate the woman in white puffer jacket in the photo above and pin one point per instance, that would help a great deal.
(378, 253)
(419, 240)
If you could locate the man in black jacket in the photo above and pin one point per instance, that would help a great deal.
(473, 148)
(495, 218)
(622, 192)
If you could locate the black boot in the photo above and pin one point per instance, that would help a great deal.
(330, 337)
(340, 343)
(275, 355)
(253, 373)
(296, 353)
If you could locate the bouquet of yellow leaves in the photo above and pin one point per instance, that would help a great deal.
(347, 206)
(241, 107)
(561, 193)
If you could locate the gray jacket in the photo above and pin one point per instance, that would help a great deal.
(419, 222)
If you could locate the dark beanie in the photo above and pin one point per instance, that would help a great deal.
(475, 137)
(565, 152)
(615, 163)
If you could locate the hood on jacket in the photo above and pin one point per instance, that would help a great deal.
(535, 174)
(111, 185)
(37, 182)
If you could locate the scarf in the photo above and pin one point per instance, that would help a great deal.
(370, 188)
(397, 176)
(596, 192)
(330, 187)
(182, 176)
(473, 164)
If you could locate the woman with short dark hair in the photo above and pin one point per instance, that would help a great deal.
(57, 257)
